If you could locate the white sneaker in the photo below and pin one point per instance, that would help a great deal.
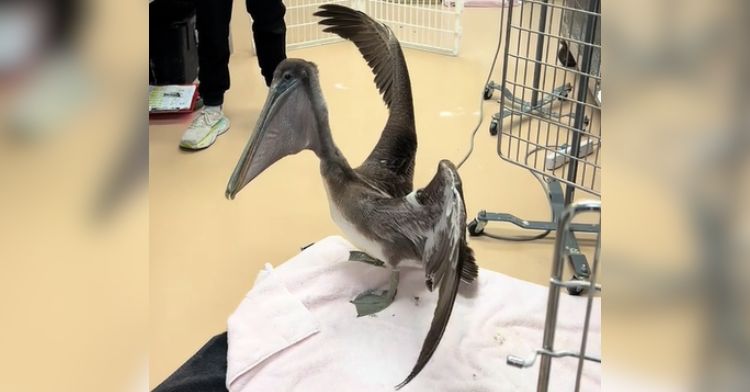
(204, 129)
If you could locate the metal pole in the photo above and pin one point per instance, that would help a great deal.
(539, 53)
(553, 298)
(583, 83)
(589, 304)
(505, 70)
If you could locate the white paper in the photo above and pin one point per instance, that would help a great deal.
(169, 98)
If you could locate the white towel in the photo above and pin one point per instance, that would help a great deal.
(296, 331)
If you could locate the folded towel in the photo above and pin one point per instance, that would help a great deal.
(296, 331)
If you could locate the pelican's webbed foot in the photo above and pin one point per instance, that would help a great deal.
(373, 301)
(356, 255)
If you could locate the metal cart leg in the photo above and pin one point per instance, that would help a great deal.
(578, 262)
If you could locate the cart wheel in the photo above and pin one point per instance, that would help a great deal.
(487, 92)
(575, 290)
(473, 228)
(493, 128)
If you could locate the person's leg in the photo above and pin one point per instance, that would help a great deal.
(212, 20)
(269, 33)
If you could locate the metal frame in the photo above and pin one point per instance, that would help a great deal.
(547, 352)
(542, 124)
(430, 25)
(550, 127)
(577, 259)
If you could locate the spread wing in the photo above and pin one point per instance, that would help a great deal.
(434, 220)
(391, 163)
(377, 44)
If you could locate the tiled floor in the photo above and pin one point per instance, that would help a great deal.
(206, 250)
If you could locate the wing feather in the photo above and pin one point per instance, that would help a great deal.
(377, 44)
(433, 221)
(442, 255)
(390, 165)
(446, 255)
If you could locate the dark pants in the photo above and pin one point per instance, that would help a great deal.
(269, 33)
(205, 371)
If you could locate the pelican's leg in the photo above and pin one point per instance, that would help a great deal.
(373, 301)
(356, 255)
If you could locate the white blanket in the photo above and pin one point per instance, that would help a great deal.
(296, 331)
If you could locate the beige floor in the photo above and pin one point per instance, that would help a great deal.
(206, 250)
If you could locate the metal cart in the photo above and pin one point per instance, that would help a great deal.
(550, 116)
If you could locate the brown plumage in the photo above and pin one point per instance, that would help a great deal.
(446, 263)
(374, 204)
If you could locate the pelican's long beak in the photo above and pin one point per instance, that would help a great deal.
(274, 136)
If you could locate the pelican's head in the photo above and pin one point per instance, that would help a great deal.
(289, 122)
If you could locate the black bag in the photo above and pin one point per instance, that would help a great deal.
(173, 46)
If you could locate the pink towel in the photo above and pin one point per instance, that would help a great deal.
(296, 331)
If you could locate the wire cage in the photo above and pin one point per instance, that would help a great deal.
(302, 29)
(431, 25)
(549, 120)
(548, 352)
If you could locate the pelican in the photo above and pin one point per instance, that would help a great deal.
(374, 204)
